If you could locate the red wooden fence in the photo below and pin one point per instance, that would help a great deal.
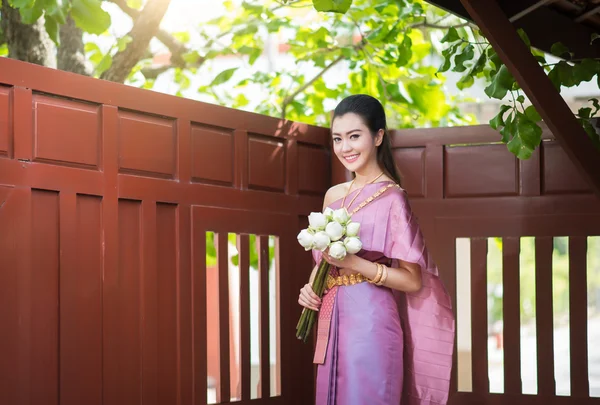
(107, 193)
(465, 186)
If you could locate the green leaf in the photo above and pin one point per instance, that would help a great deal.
(498, 120)
(585, 70)
(466, 81)
(508, 130)
(53, 29)
(252, 8)
(528, 131)
(501, 84)
(223, 77)
(183, 36)
(521, 98)
(405, 51)
(241, 101)
(451, 36)
(104, 65)
(563, 74)
(21, 3)
(516, 147)
(478, 67)
(596, 105)
(524, 37)
(591, 131)
(4, 50)
(559, 49)
(89, 16)
(447, 54)
(123, 41)
(594, 37)
(58, 11)
(182, 79)
(254, 55)
(532, 114)
(585, 112)
(494, 58)
(335, 6)
(466, 55)
(30, 15)
(136, 4)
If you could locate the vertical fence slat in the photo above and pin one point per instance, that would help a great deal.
(511, 316)
(544, 316)
(23, 242)
(479, 322)
(53, 267)
(263, 264)
(149, 305)
(279, 321)
(184, 306)
(244, 266)
(199, 311)
(578, 316)
(223, 264)
(110, 230)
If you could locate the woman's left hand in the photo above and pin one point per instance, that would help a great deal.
(347, 262)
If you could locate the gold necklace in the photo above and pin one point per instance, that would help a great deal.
(358, 193)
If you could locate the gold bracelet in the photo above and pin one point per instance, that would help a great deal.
(378, 275)
(384, 276)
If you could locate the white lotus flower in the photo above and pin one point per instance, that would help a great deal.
(341, 215)
(337, 250)
(352, 228)
(317, 221)
(321, 241)
(328, 212)
(334, 230)
(353, 245)
(305, 239)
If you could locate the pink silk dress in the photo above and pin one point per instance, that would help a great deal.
(377, 346)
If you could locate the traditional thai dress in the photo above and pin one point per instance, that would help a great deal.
(375, 345)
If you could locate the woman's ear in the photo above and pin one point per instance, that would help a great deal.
(379, 137)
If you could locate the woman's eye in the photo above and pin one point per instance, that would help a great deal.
(336, 140)
(355, 136)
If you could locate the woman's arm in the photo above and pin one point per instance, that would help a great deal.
(406, 278)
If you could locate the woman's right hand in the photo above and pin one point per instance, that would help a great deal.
(308, 298)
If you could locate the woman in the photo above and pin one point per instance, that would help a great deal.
(385, 334)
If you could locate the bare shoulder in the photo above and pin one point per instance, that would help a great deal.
(335, 193)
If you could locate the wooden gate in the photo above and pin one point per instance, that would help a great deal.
(107, 196)
(470, 195)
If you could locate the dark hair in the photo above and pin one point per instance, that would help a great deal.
(370, 110)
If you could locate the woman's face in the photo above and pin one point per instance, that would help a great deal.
(353, 143)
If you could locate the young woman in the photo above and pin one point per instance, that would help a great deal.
(385, 334)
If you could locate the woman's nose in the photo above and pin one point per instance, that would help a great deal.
(346, 146)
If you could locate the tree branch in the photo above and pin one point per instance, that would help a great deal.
(71, 52)
(425, 24)
(26, 42)
(145, 27)
(290, 98)
(176, 48)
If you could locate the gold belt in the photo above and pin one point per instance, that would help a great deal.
(345, 280)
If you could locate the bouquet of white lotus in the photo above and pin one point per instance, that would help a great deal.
(333, 230)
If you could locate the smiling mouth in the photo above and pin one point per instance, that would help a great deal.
(351, 158)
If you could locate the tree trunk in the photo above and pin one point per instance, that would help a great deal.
(29, 43)
(71, 52)
(144, 28)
